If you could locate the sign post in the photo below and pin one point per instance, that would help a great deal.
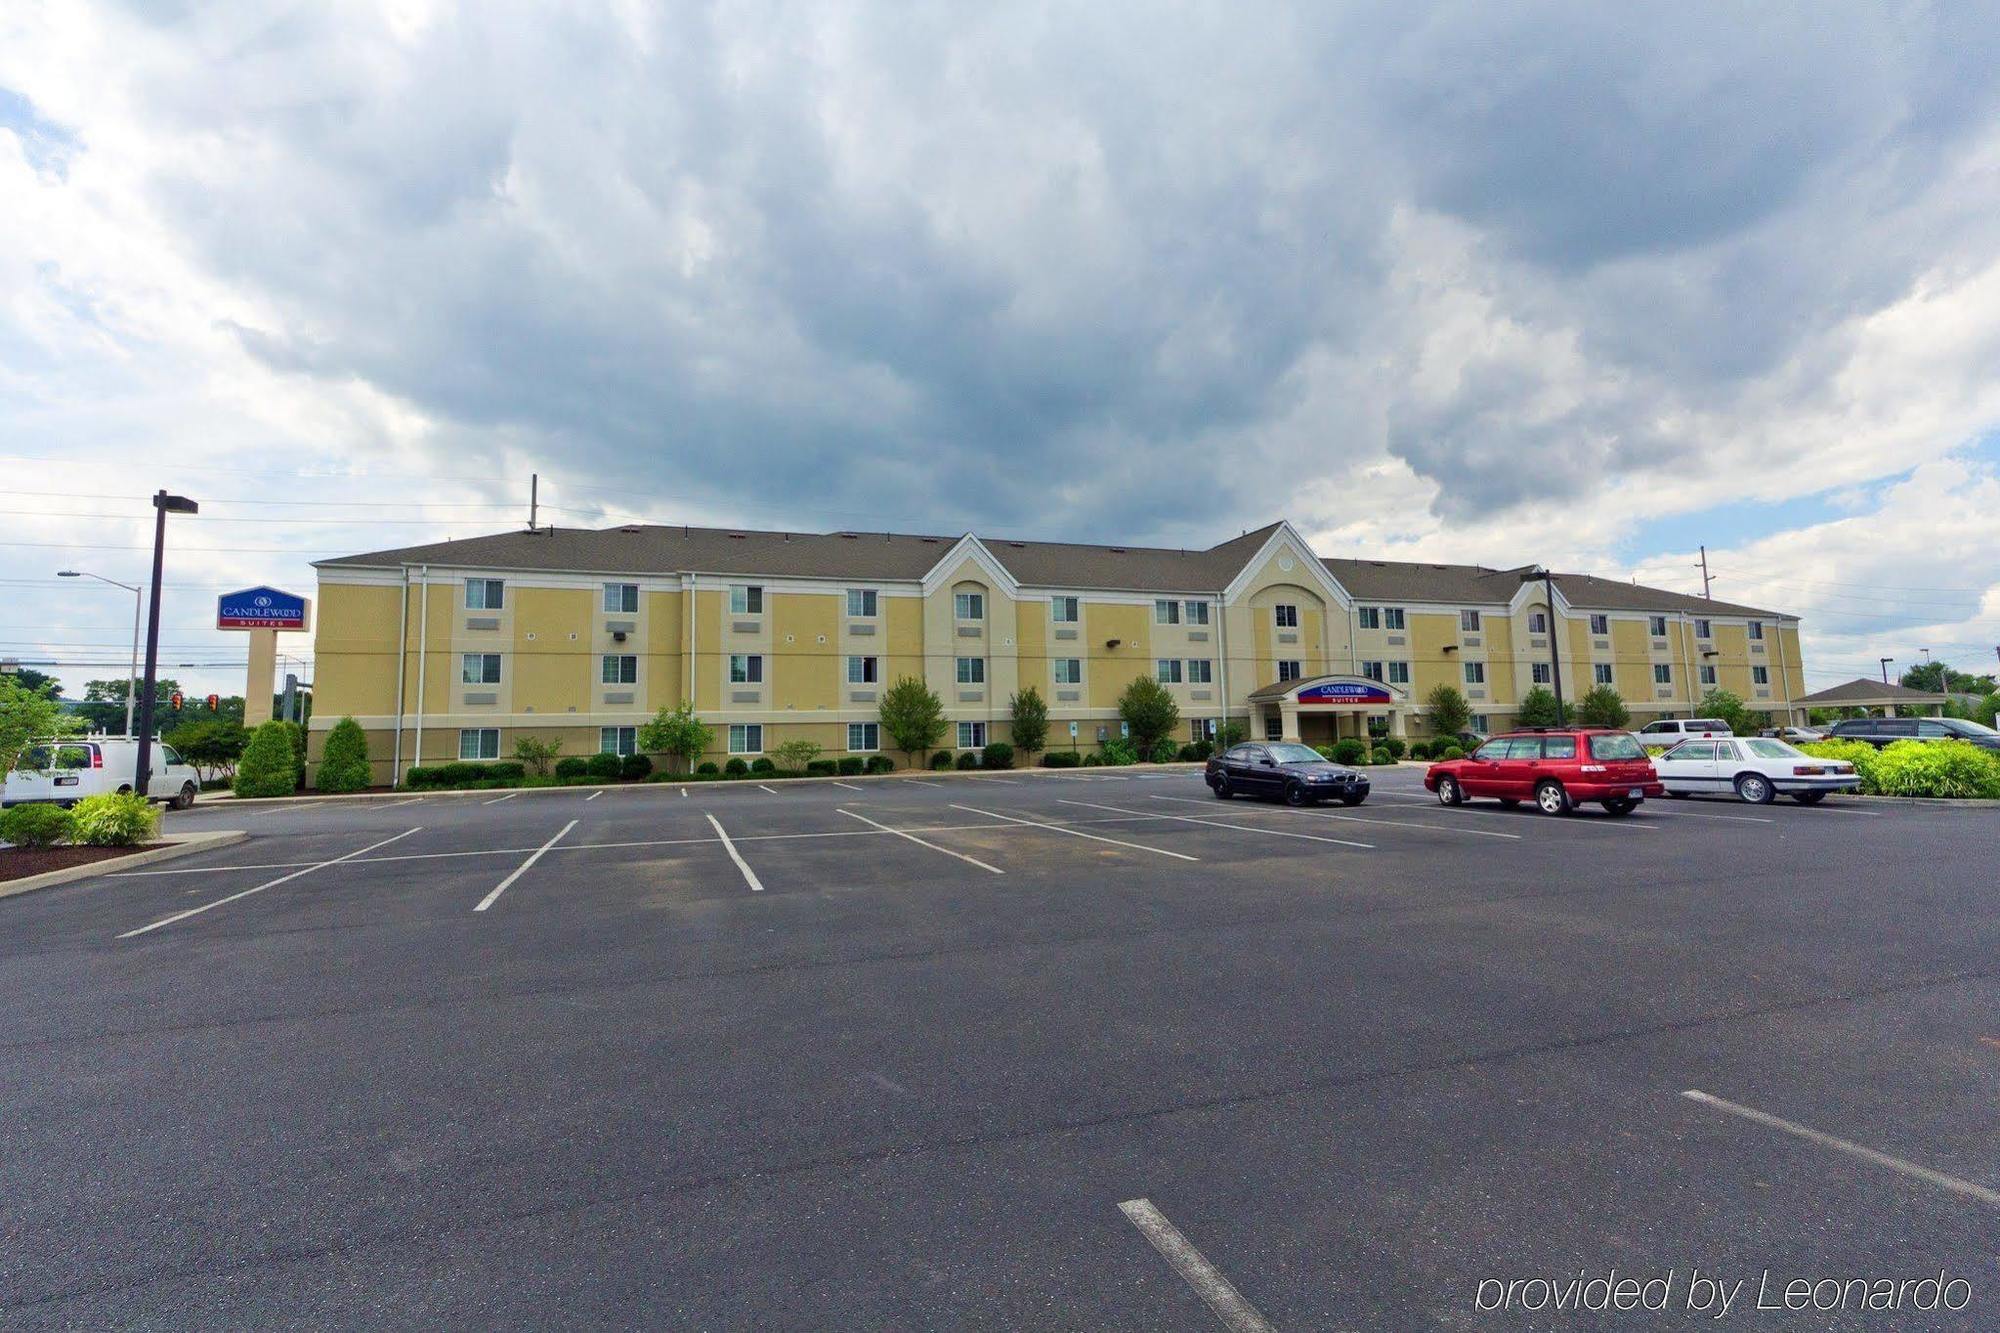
(265, 613)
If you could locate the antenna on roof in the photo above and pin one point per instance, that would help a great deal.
(534, 498)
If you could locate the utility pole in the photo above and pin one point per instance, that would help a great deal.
(1885, 669)
(163, 504)
(534, 498)
(1706, 595)
(1548, 581)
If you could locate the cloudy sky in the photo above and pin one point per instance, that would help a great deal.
(1565, 283)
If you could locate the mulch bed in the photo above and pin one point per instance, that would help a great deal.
(21, 862)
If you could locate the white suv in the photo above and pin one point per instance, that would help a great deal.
(1674, 730)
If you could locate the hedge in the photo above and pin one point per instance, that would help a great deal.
(572, 766)
(881, 763)
(852, 765)
(941, 760)
(114, 819)
(266, 768)
(38, 824)
(343, 764)
(462, 773)
(1061, 759)
(967, 760)
(1949, 770)
(635, 768)
(999, 754)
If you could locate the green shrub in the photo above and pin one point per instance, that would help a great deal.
(296, 735)
(852, 765)
(1450, 752)
(736, 768)
(635, 767)
(1381, 755)
(118, 819)
(1350, 751)
(1118, 752)
(1394, 745)
(941, 760)
(763, 766)
(706, 769)
(604, 766)
(572, 766)
(507, 770)
(343, 764)
(1197, 752)
(37, 825)
(266, 768)
(999, 754)
(1061, 759)
(1861, 754)
(881, 763)
(1952, 770)
(967, 759)
(1419, 750)
(821, 768)
(706, 773)
(1164, 751)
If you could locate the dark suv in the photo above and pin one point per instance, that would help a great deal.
(1880, 731)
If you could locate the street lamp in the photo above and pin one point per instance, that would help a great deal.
(163, 504)
(1885, 669)
(1548, 582)
(138, 596)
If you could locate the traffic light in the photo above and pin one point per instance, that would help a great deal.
(174, 700)
(214, 702)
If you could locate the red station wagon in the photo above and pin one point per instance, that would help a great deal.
(1555, 767)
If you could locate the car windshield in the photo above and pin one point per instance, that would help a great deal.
(1965, 728)
(1616, 745)
(1295, 754)
(1764, 748)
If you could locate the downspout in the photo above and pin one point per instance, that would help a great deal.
(423, 647)
(402, 669)
(1687, 671)
(1222, 651)
(1785, 669)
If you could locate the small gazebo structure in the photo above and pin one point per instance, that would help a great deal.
(1873, 696)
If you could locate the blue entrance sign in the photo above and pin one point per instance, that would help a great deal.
(260, 608)
(1349, 692)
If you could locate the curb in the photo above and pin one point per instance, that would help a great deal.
(178, 844)
(1933, 802)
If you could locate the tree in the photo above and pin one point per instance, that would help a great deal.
(794, 755)
(103, 704)
(36, 680)
(1727, 707)
(1989, 710)
(677, 733)
(343, 765)
(1029, 716)
(267, 769)
(26, 716)
(913, 716)
(1603, 707)
(1538, 709)
(1149, 711)
(210, 745)
(1449, 712)
(536, 755)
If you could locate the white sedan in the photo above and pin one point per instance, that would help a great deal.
(1754, 768)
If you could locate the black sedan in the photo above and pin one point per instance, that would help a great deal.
(1300, 775)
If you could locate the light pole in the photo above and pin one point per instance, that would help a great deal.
(1885, 669)
(138, 598)
(163, 504)
(1548, 582)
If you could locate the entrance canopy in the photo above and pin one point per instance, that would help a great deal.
(1316, 704)
(1864, 694)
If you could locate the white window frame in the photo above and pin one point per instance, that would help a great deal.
(970, 670)
(1663, 673)
(1392, 618)
(1704, 629)
(1709, 675)
(616, 595)
(746, 599)
(868, 733)
(1756, 630)
(1602, 672)
(1657, 626)
(1538, 622)
(1368, 617)
(1166, 611)
(1481, 723)
(1539, 673)
(1760, 675)
(863, 603)
(1376, 671)
(971, 735)
(968, 606)
(863, 670)
(618, 669)
(746, 738)
(1285, 615)
(1069, 670)
(746, 668)
(1167, 670)
(478, 735)
(1194, 612)
(1065, 610)
(492, 594)
(1475, 673)
(1291, 668)
(469, 674)
(1399, 673)
(1468, 621)
(620, 741)
(1600, 623)
(1200, 671)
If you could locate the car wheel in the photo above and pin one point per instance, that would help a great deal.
(1551, 799)
(1223, 791)
(1296, 794)
(1354, 800)
(1809, 797)
(1620, 805)
(185, 798)
(1449, 792)
(1755, 788)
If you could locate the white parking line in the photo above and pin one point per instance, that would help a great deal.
(749, 875)
(497, 799)
(1078, 833)
(1962, 1187)
(1012, 782)
(593, 796)
(1216, 823)
(762, 787)
(1360, 819)
(969, 860)
(1236, 1314)
(414, 800)
(522, 869)
(921, 782)
(269, 884)
(850, 786)
(1674, 812)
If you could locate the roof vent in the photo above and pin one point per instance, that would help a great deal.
(631, 527)
(851, 536)
(1115, 550)
(736, 537)
(1019, 546)
(931, 540)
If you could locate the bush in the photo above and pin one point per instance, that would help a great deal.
(967, 760)
(852, 765)
(1164, 751)
(796, 756)
(1061, 759)
(735, 768)
(763, 766)
(1118, 752)
(1394, 745)
(1953, 770)
(1197, 752)
(343, 764)
(999, 754)
(461, 773)
(881, 763)
(941, 760)
(117, 819)
(296, 735)
(574, 766)
(537, 754)
(1150, 712)
(821, 768)
(266, 768)
(1420, 749)
(1450, 752)
(634, 767)
(1861, 754)
(1381, 755)
(604, 766)
(706, 769)
(37, 825)
(1350, 751)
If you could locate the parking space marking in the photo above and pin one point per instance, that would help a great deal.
(1672, 812)
(1216, 823)
(593, 796)
(749, 875)
(268, 884)
(522, 869)
(850, 786)
(414, 800)
(1216, 1291)
(1362, 819)
(1079, 833)
(497, 799)
(969, 860)
(1012, 782)
(1965, 1188)
(772, 790)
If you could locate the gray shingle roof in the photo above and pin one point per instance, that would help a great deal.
(1477, 585)
(1862, 690)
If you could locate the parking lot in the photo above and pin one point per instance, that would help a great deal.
(1035, 1049)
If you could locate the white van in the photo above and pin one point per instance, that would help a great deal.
(66, 771)
(1674, 730)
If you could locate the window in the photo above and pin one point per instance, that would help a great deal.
(1069, 671)
(1368, 617)
(1286, 615)
(1167, 670)
(1274, 729)
(1658, 624)
(1692, 750)
(972, 671)
(1166, 611)
(1475, 673)
(1760, 675)
(1468, 622)
(1392, 617)
(1373, 670)
(861, 671)
(1197, 613)
(1663, 674)
(484, 594)
(1063, 610)
(480, 669)
(621, 598)
(1288, 670)
(1704, 629)
(1600, 624)
(620, 669)
(861, 604)
(1538, 673)
(969, 605)
(746, 738)
(1602, 671)
(746, 669)
(1480, 723)
(479, 743)
(1399, 673)
(1200, 671)
(1708, 675)
(972, 735)
(746, 599)
(1756, 630)
(1558, 747)
(1538, 622)
(864, 736)
(1616, 745)
(618, 740)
